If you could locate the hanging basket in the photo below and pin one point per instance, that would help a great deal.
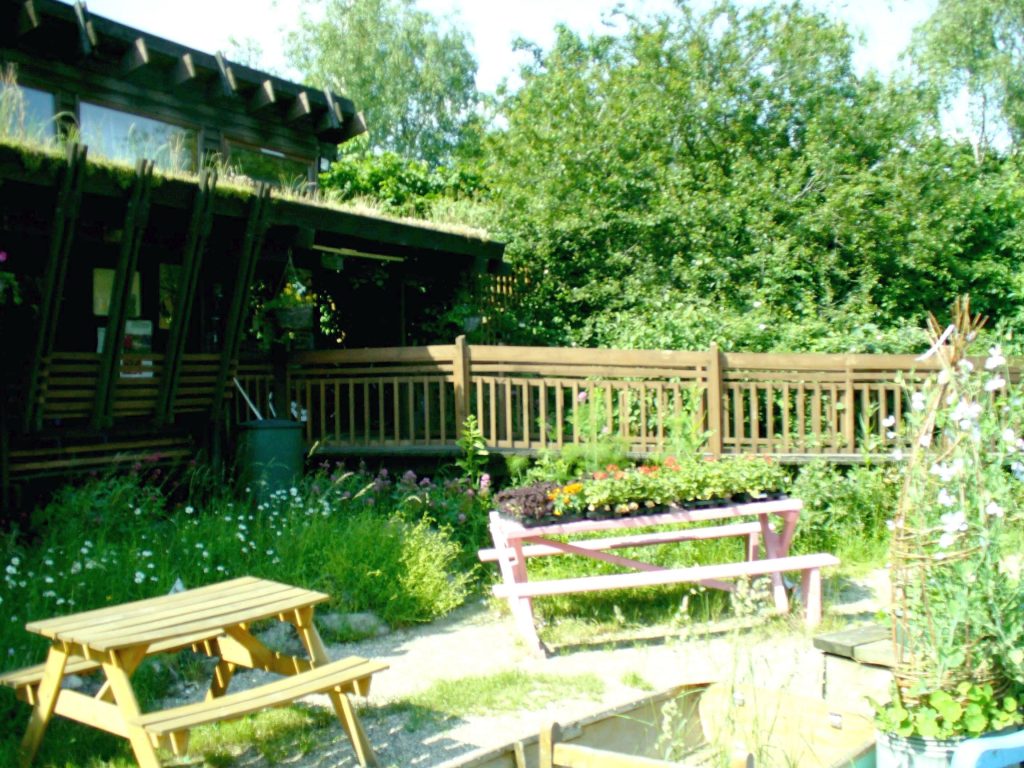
(293, 318)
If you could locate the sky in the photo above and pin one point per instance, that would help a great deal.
(207, 25)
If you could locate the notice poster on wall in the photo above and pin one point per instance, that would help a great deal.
(103, 287)
(138, 340)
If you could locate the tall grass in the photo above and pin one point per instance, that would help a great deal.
(114, 539)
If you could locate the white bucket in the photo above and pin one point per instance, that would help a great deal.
(892, 751)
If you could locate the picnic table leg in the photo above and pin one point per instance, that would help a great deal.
(340, 701)
(811, 588)
(116, 670)
(512, 564)
(773, 547)
(222, 675)
(522, 607)
(49, 689)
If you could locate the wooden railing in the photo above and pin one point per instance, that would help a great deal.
(529, 399)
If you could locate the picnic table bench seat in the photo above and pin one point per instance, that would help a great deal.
(808, 565)
(25, 681)
(170, 727)
(767, 554)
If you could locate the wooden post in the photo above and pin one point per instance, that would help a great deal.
(849, 422)
(65, 218)
(715, 400)
(191, 264)
(461, 373)
(252, 245)
(549, 737)
(136, 217)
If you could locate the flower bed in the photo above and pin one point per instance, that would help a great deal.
(645, 490)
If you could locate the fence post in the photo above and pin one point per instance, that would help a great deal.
(715, 400)
(461, 375)
(849, 423)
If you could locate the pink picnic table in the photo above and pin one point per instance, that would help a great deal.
(768, 527)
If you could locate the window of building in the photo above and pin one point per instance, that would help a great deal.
(123, 136)
(269, 165)
(26, 111)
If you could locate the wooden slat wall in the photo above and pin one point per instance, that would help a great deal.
(68, 384)
(68, 389)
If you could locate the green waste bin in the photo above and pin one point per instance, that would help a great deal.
(269, 455)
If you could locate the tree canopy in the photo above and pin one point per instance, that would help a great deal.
(412, 76)
(976, 47)
(729, 176)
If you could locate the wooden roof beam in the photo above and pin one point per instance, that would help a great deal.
(227, 75)
(184, 71)
(28, 18)
(263, 97)
(354, 126)
(300, 107)
(332, 118)
(136, 57)
(86, 32)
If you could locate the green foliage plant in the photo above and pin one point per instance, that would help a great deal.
(473, 449)
(969, 710)
(616, 491)
(401, 570)
(846, 509)
(594, 442)
(957, 602)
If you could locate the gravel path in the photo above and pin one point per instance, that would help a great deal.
(479, 640)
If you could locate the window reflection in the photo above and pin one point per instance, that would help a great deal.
(123, 136)
(27, 112)
(269, 165)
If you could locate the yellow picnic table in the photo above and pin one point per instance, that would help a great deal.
(215, 620)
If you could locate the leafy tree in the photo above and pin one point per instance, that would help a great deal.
(729, 176)
(401, 185)
(412, 77)
(977, 46)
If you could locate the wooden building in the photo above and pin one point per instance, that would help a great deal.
(136, 283)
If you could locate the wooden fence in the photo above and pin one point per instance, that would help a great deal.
(529, 399)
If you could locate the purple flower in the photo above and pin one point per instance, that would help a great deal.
(3, 256)
(425, 482)
(485, 482)
(462, 517)
(409, 478)
(582, 397)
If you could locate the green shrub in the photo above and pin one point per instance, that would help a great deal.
(845, 512)
(398, 569)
